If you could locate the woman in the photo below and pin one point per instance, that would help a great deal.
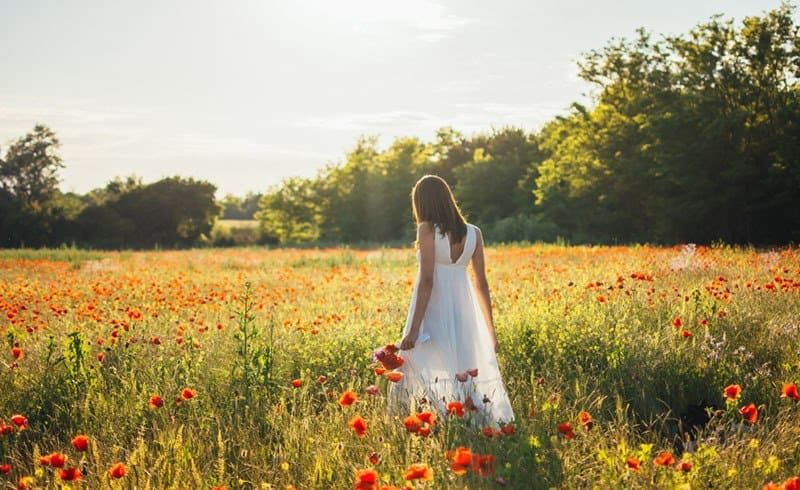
(449, 341)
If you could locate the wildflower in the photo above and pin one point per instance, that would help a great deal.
(456, 408)
(732, 392)
(585, 419)
(633, 463)
(20, 421)
(507, 429)
(322, 379)
(156, 402)
(69, 474)
(56, 460)
(664, 458)
(17, 353)
(412, 423)
(566, 430)
(483, 464)
(188, 393)
(374, 458)
(427, 417)
(394, 376)
(419, 471)
(117, 471)
(685, 333)
(80, 443)
(366, 479)
(789, 390)
(297, 383)
(749, 413)
(359, 425)
(348, 398)
(460, 460)
(676, 322)
(684, 466)
(5, 469)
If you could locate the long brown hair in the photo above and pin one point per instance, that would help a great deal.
(433, 201)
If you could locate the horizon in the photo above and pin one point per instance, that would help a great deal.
(188, 98)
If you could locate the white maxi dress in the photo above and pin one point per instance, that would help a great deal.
(453, 339)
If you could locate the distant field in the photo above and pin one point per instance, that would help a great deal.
(236, 223)
(171, 366)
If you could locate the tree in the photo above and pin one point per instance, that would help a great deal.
(29, 171)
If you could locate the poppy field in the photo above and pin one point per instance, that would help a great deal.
(627, 367)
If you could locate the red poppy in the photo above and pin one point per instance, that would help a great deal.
(156, 401)
(17, 353)
(394, 376)
(507, 429)
(20, 421)
(566, 430)
(685, 466)
(374, 458)
(749, 413)
(117, 471)
(297, 383)
(188, 393)
(427, 417)
(348, 398)
(366, 479)
(483, 464)
(56, 460)
(732, 392)
(460, 460)
(685, 333)
(792, 483)
(412, 423)
(490, 432)
(322, 379)
(380, 370)
(80, 443)
(5, 469)
(101, 356)
(419, 471)
(359, 425)
(424, 431)
(676, 322)
(633, 463)
(789, 390)
(456, 408)
(70, 474)
(6, 429)
(664, 458)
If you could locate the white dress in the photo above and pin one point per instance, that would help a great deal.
(453, 338)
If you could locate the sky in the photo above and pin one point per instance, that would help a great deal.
(244, 93)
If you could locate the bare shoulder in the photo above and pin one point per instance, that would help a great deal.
(424, 229)
(478, 233)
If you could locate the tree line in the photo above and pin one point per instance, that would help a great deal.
(693, 137)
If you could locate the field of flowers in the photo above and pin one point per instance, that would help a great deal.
(628, 367)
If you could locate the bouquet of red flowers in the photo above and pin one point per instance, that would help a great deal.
(387, 356)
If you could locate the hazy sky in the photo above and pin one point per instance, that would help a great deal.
(244, 93)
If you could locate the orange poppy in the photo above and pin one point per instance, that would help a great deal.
(412, 423)
(664, 458)
(117, 471)
(359, 425)
(732, 392)
(585, 419)
(419, 471)
(460, 460)
(347, 398)
(394, 376)
(789, 390)
(676, 322)
(427, 417)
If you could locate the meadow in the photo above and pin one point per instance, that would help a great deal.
(628, 367)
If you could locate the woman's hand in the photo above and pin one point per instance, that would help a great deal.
(408, 341)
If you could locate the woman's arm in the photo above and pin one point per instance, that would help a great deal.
(426, 242)
(482, 285)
